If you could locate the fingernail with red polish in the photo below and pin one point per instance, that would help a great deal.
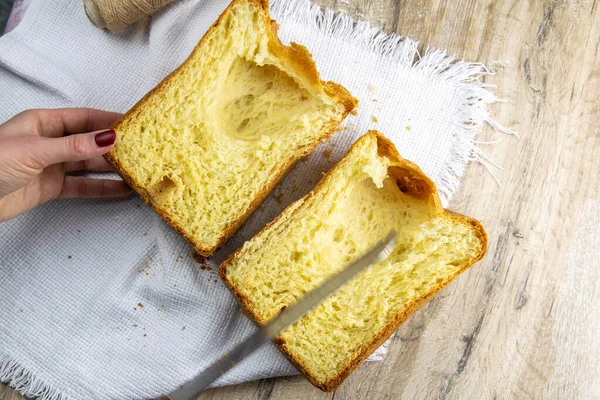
(105, 138)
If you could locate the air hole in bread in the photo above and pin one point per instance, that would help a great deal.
(162, 191)
(164, 185)
(259, 100)
(403, 188)
(338, 235)
(243, 125)
(408, 184)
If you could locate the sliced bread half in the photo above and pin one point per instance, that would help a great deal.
(370, 192)
(207, 145)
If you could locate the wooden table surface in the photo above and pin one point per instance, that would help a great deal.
(524, 322)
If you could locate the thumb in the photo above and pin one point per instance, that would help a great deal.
(76, 147)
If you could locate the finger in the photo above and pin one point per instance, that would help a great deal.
(17, 202)
(59, 122)
(96, 164)
(79, 186)
(47, 151)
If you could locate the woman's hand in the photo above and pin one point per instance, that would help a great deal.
(38, 148)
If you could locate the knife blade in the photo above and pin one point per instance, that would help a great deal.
(271, 329)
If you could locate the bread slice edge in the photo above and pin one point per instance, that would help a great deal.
(387, 149)
(296, 55)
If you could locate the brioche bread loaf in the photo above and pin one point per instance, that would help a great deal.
(370, 192)
(207, 145)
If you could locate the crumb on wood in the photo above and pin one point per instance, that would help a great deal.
(374, 119)
(140, 305)
(327, 153)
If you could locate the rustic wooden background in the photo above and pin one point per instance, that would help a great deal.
(525, 322)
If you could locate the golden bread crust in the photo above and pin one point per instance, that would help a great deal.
(301, 61)
(421, 186)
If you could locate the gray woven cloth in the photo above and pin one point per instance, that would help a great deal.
(99, 299)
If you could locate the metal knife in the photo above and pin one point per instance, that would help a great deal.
(271, 329)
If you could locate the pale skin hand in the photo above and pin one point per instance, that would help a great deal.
(38, 148)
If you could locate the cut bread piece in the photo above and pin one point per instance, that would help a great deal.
(369, 193)
(208, 144)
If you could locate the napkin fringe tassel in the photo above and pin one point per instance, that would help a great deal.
(25, 381)
(476, 95)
